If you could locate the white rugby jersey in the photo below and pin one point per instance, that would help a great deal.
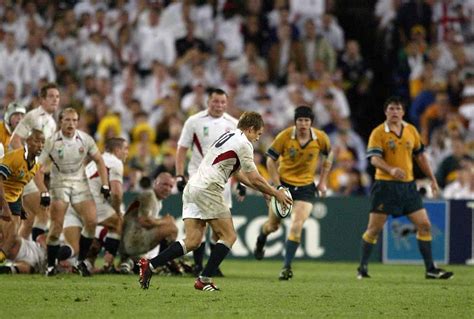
(114, 168)
(36, 119)
(229, 153)
(200, 131)
(67, 155)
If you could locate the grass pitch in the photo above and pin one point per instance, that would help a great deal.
(249, 290)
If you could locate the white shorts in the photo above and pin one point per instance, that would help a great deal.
(228, 194)
(73, 219)
(33, 254)
(71, 191)
(30, 188)
(200, 203)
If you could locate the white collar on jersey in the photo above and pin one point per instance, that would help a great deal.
(75, 136)
(313, 133)
(387, 129)
(44, 111)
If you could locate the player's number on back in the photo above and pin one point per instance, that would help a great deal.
(224, 138)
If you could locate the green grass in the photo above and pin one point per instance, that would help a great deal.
(249, 290)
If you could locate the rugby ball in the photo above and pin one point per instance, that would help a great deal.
(276, 206)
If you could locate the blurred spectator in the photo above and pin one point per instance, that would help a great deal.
(344, 179)
(195, 100)
(282, 53)
(463, 186)
(447, 170)
(189, 41)
(10, 58)
(256, 32)
(332, 32)
(316, 47)
(411, 13)
(228, 27)
(357, 78)
(95, 55)
(157, 86)
(154, 43)
(434, 116)
(428, 87)
(63, 46)
(35, 64)
(245, 66)
(466, 110)
(303, 10)
(346, 138)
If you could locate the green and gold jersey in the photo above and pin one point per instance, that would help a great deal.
(397, 151)
(297, 163)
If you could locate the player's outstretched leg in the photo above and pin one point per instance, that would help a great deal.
(175, 250)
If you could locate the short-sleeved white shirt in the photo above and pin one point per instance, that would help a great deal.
(229, 153)
(36, 119)
(114, 167)
(200, 131)
(67, 156)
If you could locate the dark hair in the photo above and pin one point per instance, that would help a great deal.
(304, 111)
(216, 91)
(393, 100)
(113, 143)
(35, 132)
(250, 119)
(44, 89)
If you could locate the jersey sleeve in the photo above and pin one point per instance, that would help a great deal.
(276, 148)
(24, 127)
(247, 163)
(375, 147)
(325, 144)
(47, 149)
(418, 146)
(186, 138)
(91, 146)
(116, 172)
(7, 165)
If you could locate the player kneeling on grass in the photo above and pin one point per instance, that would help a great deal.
(143, 228)
(26, 256)
(292, 162)
(203, 200)
(108, 211)
(392, 147)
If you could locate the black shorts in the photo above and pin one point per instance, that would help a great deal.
(307, 193)
(16, 209)
(395, 198)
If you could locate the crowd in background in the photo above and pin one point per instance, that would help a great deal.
(139, 68)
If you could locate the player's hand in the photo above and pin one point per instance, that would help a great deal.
(181, 183)
(435, 188)
(322, 189)
(105, 191)
(282, 198)
(397, 173)
(242, 192)
(267, 198)
(45, 199)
